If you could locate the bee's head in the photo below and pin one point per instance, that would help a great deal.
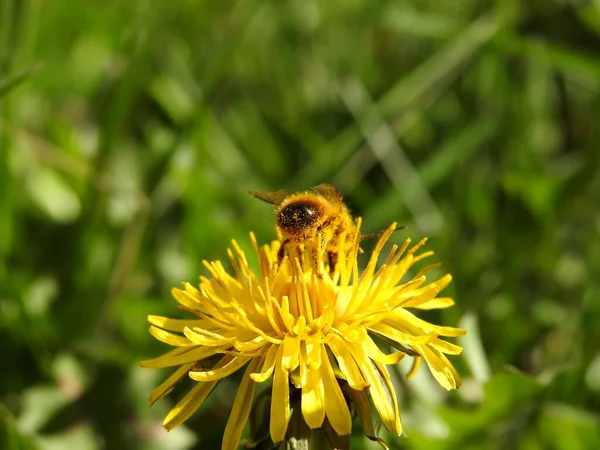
(298, 215)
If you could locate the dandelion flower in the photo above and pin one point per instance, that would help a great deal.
(311, 331)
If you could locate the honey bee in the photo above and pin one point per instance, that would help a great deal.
(317, 216)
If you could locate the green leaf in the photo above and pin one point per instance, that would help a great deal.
(563, 426)
(507, 395)
(11, 438)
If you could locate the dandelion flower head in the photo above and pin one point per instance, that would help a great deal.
(308, 329)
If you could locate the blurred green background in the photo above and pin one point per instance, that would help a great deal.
(131, 131)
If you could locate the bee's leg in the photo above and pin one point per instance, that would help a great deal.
(320, 253)
(325, 236)
(281, 252)
(317, 269)
(333, 259)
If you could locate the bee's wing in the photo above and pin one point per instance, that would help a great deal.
(272, 197)
(329, 192)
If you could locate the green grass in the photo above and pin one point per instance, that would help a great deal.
(131, 132)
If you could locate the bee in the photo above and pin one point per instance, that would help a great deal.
(317, 216)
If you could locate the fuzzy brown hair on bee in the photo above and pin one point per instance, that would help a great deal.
(316, 217)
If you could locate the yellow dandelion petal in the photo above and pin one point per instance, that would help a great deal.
(452, 369)
(313, 403)
(184, 356)
(313, 351)
(286, 316)
(272, 310)
(427, 293)
(188, 405)
(251, 345)
(405, 290)
(389, 386)
(231, 364)
(336, 407)
(290, 353)
(200, 337)
(435, 303)
(380, 396)
(167, 386)
(347, 364)
(373, 352)
(268, 365)
(175, 340)
(399, 270)
(243, 321)
(300, 328)
(446, 347)
(175, 324)
(405, 320)
(415, 367)
(240, 409)
(395, 334)
(438, 367)
(191, 290)
(280, 403)
(185, 298)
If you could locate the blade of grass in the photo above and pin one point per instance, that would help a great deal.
(426, 81)
(436, 170)
(579, 66)
(474, 352)
(385, 147)
(8, 84)
(456, 150)
(7, 12)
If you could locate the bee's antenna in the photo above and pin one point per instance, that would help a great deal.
(365, 237)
